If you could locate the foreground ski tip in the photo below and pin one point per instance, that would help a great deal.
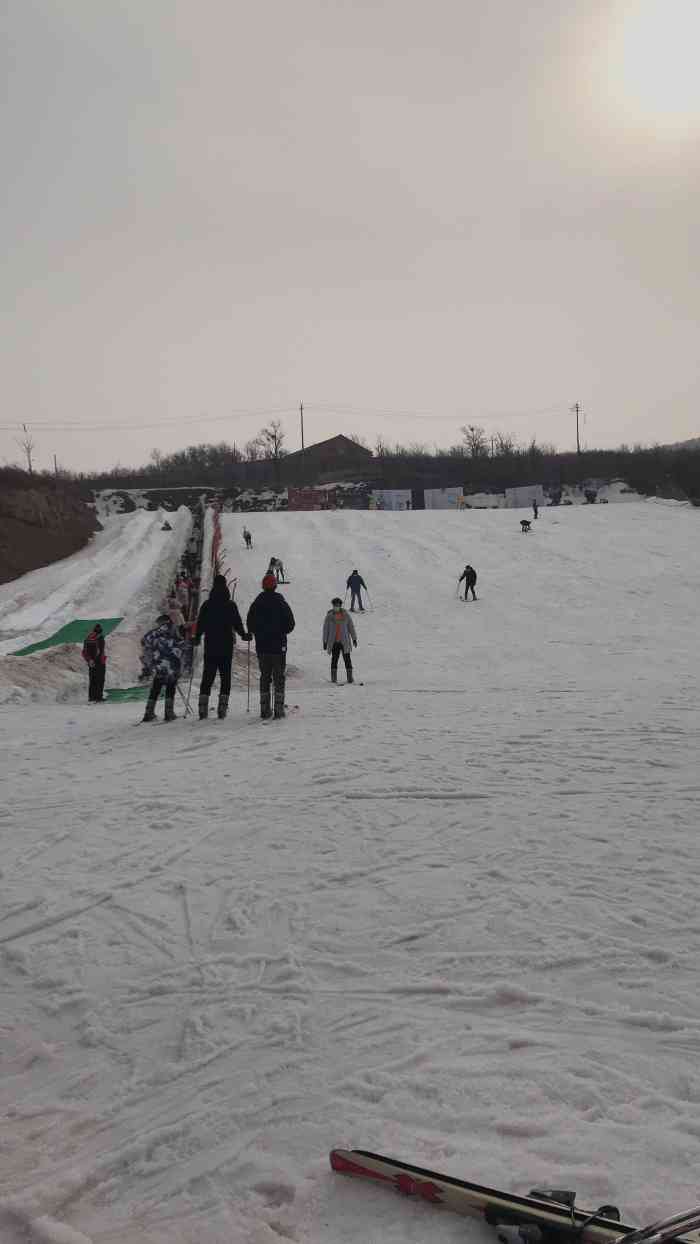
(543, 1217)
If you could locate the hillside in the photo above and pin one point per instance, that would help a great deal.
(446, 914)
(41, 521)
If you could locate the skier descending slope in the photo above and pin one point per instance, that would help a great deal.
(271, 620)
(355, 583)
(218, 621)
(162, 650)
(339, 636)
(469, 576)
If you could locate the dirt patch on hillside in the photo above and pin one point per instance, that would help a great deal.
(41, 521)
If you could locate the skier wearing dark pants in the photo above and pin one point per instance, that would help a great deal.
(94, 654)
(162, 650)
(469, 576)
(355, 583)
(271, 620)
(339, 636)
(219, 621)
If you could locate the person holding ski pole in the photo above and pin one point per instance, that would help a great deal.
(469, 576)
(162, 650)
(219, 621)
(277, 569)
(339, 635)
(271, 620)
(355, 583)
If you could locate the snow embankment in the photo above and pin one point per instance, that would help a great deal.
(124, 572)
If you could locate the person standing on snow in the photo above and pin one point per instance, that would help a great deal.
(534, 508)
(247, 538)
(271, 620)
(96, 658)
(162, 650)
(469, 576)
(355, 582)
(218, 621)
(277, 569)
(339, 636)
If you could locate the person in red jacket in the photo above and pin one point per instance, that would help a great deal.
(96, 658)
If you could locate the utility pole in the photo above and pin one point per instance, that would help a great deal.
(55, 465)
(577, 408)
(301, 416)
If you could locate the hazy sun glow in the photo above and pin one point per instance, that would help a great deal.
(655, 60)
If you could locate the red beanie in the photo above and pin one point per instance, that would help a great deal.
(269, 582)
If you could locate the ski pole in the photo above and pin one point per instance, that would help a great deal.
(248, 708)
(178, 688)
(369, 598)
(189, 689)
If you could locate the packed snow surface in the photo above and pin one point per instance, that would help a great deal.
(450, 914)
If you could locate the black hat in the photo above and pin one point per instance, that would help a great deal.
(98, 628)
(336, 601)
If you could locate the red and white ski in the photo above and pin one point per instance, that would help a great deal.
(541, 1216)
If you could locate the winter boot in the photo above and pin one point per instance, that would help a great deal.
(265, 706)
(169, 714)
(150, 713)
(223, 707)
(203, 707)
(349, 675)
(334, 675)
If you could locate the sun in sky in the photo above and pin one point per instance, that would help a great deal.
(653, 61)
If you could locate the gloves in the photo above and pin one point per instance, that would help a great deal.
(248, 636)
(354, 643)
(91, 664)
(324, 648)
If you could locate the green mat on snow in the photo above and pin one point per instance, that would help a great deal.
(72, 633)
(122, 695)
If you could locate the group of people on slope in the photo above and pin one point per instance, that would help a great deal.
(269, 621)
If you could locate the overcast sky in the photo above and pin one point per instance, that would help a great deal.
(411, 214)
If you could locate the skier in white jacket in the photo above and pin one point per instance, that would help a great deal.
(339, 635)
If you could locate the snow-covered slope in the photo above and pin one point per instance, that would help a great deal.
(123, 572)
(449, 914)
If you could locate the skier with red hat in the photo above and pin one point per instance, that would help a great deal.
(270, 620)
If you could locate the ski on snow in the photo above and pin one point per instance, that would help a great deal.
(544, 1217)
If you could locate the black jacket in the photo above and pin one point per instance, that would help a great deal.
(270, 619)
(217, 621)
(355, 582)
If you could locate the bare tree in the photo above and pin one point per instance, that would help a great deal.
(475, 441)
(27, 444)
(271, 440)
(504, 445)
(358, 440)
(253, 450)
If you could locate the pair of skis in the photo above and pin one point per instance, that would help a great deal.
(543, 1217)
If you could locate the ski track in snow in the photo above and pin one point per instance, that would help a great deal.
(450, 915)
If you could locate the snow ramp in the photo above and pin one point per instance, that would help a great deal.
(119, 580)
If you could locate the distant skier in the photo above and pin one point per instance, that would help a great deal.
(534, 508)
(525, 525)
(162, 650)
(339, 636)
(355, 583)
(247, 538)
(96, 658)
(277, 569)
(271, 620)
(218, 622)
(469, 576)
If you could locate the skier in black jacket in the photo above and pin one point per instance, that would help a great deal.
(270, 620)
(355, 582)
(218, 620)
(469, 576)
